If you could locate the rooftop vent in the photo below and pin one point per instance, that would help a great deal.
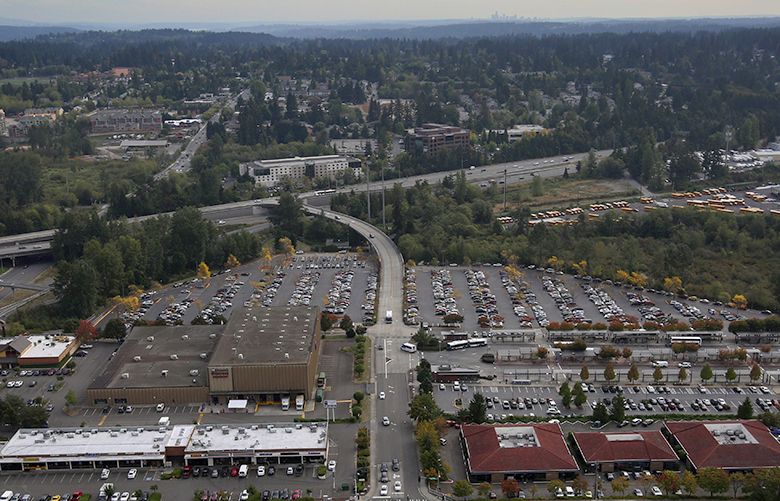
(174, 357)
(136, 358)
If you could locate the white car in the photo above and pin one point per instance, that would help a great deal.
(244, 495)
(125, 496)
(381, 395)
(386, 421)
(290, 470)
(160, 407)
(397, 486)
(383, 491)
(261, 471)
(638, 493)
(684, 365)
(104, 474)
(132, 473)
(332, 465)
(656, 491)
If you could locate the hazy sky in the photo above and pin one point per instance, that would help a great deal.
(262, 11)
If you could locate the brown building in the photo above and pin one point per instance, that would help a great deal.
(43, 350)
(265, 353)
(261, 354)
(523, 451)
(121, 120)
(632, 450)
(431, 138)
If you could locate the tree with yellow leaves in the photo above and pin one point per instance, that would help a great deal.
(580, 268)
(286, 245)
(266, 255)
(622, 275)
(131, 303)
(513, 271)
(638, 279)
(203, 271)
(232, 261)
(554, 262)
(740, 301)
(673, 284)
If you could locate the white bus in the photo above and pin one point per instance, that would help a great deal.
(457, 345)
(692, 340)
(477, 342)
(409, 347)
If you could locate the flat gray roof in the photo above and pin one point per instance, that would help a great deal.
(259, 335)
(262, 437)
(149, 350)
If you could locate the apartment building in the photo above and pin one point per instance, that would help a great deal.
(272, 172)
(125, 120)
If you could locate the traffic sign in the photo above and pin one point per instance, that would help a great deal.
(330, 404)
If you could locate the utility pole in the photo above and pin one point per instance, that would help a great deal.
(368, 191)
(384, 227)
(504, 190)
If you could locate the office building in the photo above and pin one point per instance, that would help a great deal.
(431, 138)
(271, 172)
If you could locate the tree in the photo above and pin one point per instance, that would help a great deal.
(478, 409)
(555, 486)
(425, 376)
(745, 409)
(580, 483)
(232, 262)
(580, 398)
(358, 396)
(86, 331)
(285, 244)
(755, 372)
(689, 483)
(713, 480)
(424, 408)
(601, 413)
(731, 374)
(619, 485)
(740, 301)
(618, 414)
(510, 487)
(484, 489)
(633, 373)
(669, 481)
(76, 288)
(584, 373)
(658, 375)
(564, 389)
(203, 271)
(682, 375)
(345, 323)
(115, 329)
(70, 398)
(609, 372)
(462, 489)
(737, 480)
(706, 373)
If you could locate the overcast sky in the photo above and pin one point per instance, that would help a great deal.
(273, 11)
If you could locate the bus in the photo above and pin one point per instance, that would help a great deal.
(409, 347)
(521, 381)
(457, 345)
(477, 342)
(323, 192)
(692, 340)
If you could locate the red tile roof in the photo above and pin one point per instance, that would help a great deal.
(704, 450)
(631, 446)
(485, 455)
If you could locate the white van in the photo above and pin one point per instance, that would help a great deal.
(243, 470)
(569, 491)
(7, 495)
(409, 347)
(660, 363)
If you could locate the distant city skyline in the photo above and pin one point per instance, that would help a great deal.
(247, 12)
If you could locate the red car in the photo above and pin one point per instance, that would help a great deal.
(296, 494)
(76, 496)
(234, 472)
(186, 472)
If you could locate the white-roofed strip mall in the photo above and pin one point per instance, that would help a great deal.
(157, 446)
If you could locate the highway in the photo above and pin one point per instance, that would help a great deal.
(184, 160)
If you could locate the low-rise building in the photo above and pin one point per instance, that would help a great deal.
(272, 172)
(630, 451)
(354, 146)
(44, 350)
(526, 452)
(158, 446)
(523, 131)
(3, 128)
(261, 354)
(431, 138)
(125, 120)
(726, 445)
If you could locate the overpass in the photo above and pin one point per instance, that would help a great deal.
(13, 246)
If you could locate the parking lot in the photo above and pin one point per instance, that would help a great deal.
(52, 482)
(516, 400)
(490, 298)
